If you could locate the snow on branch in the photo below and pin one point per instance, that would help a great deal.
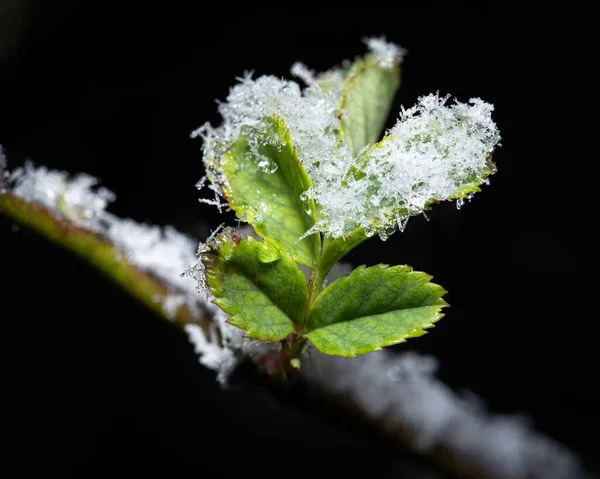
(160, 251)
(399, 394)
(157, 265)
(403, 396)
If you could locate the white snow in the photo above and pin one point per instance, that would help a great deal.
(402, 392)
(76, 199)
(433, 149)
(429, 154)
(385, 52)
(300, 70)
(161, 251)
(211, 355)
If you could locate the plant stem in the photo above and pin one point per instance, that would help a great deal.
(291, 352)
(100, 253)
(292, 346)
(315, 284)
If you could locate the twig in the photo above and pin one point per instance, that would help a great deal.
(467, 443)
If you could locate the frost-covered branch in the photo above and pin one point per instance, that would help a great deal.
(156, 265)
(401, 395)
(398, 395)
(146, 261)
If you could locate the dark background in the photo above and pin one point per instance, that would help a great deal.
(97, 383)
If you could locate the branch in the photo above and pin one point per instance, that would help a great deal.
(397, 395)
(63, 211)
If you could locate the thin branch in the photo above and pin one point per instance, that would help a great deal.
(398, 396)
(102, 254)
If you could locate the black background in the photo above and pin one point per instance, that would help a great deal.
(97, 383)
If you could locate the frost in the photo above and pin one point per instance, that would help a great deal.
(212, 355)
(234, 346)
(171, 304)
(400, 390)
(224, 357)
(163, 252)
(160, 251)
(385, 52)
(433, 152)
(403, 393)
(248, 110)
(430, 154)
(77, 199)
(300, 70)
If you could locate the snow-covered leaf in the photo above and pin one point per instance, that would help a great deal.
(434, 153)
(264, 186)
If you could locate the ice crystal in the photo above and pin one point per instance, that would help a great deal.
(385, 52)
(161, 251)
(433, 152)
(300, 70)
(77, 198)
(429, 155)
(212, 355)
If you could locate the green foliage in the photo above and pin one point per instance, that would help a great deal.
(268, 197)
(258, 285)
(367, 95)
(373, 307)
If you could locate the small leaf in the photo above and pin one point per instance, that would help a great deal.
(368, 91)
(268, 196)
(262, 289)
(372, 308)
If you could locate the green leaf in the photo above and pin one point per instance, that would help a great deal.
(372, 308)
(471, 186)
(258, 285)
(368, 91)
(271, 202)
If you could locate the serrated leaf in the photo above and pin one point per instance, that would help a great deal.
(367, 91)
(372, 308)
(471, 185)
(271, 202)
(258, 285)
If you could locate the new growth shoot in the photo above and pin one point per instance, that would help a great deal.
(308, 169)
